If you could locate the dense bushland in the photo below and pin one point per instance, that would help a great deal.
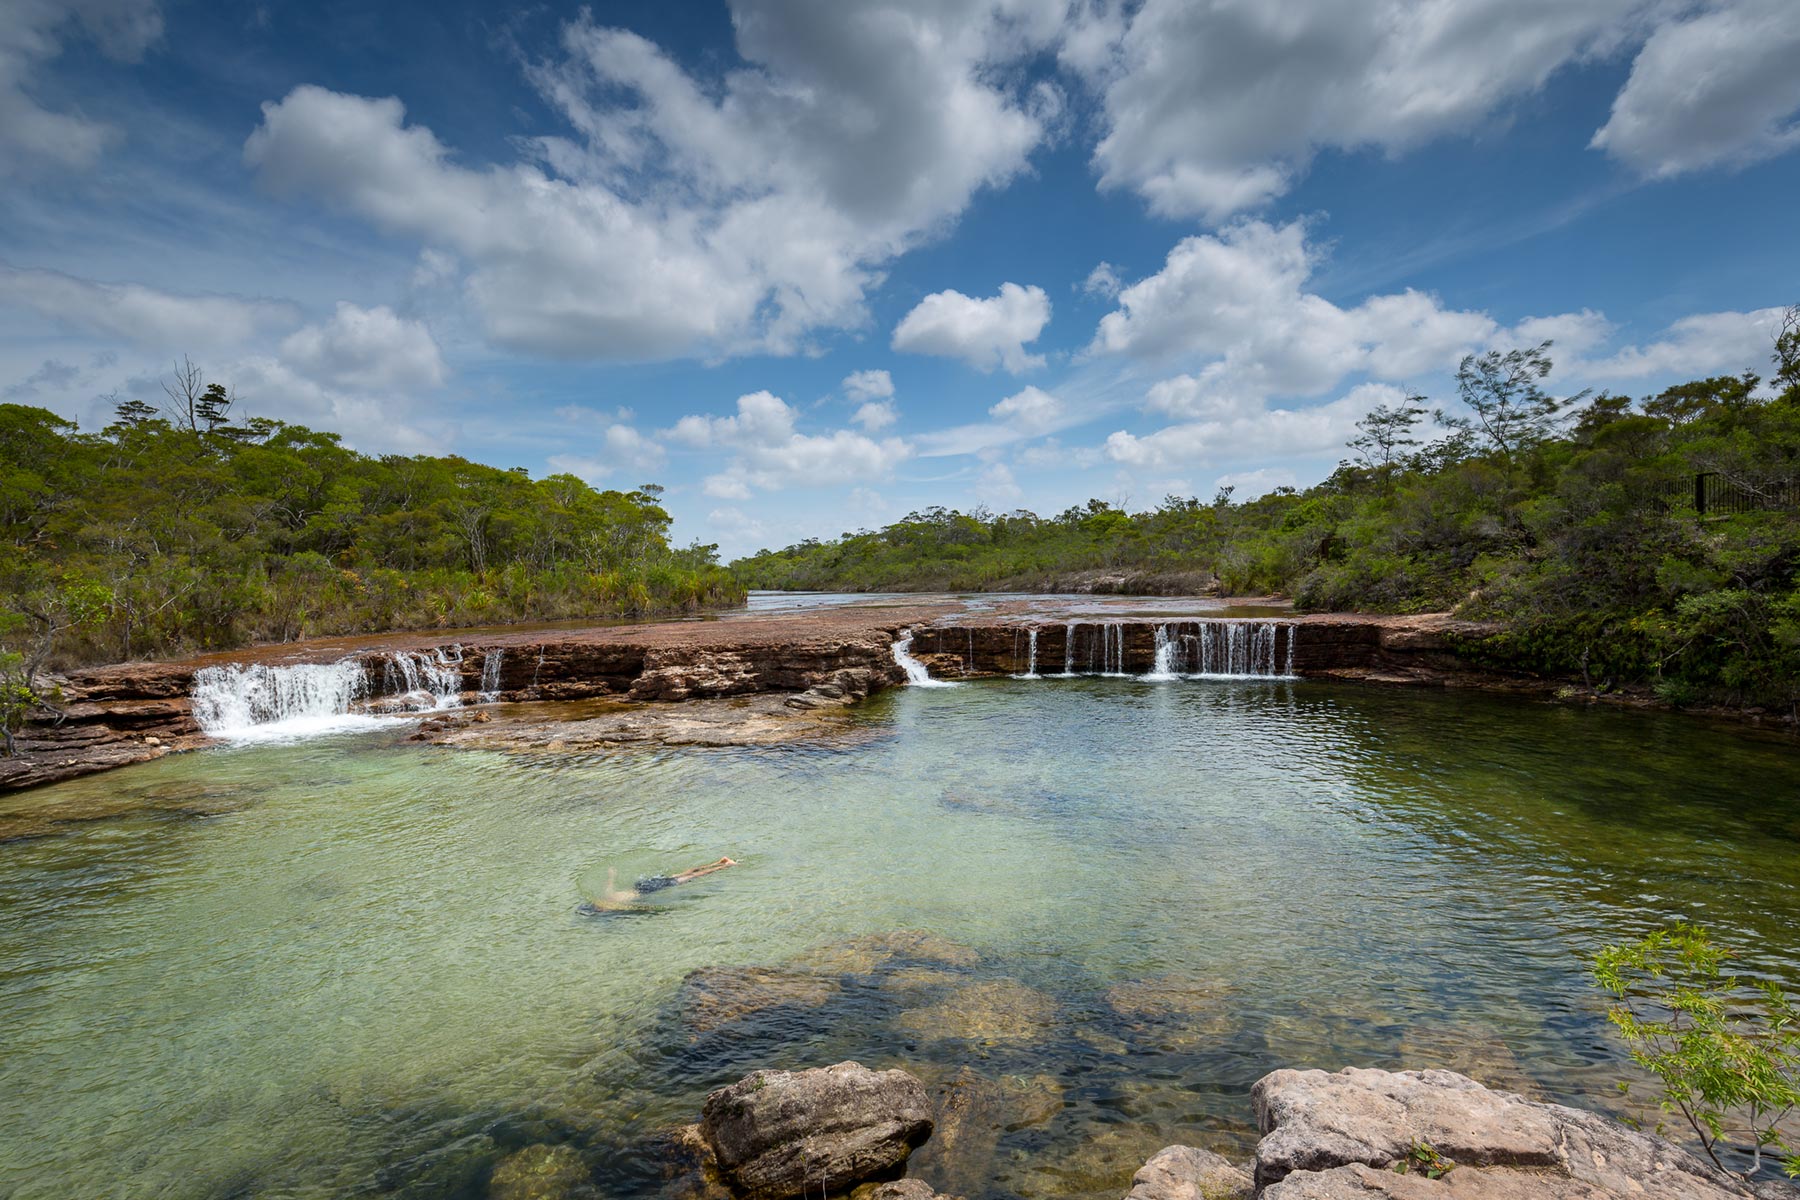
(1654, 541)
(175, 531)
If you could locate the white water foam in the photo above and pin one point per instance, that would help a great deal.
(424, 680)
(490, 677)
(916, 674)
(261, 703)
(1226, 650)
(1031, 671)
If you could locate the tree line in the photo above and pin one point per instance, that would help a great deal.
(1653, 540)
(181, 528)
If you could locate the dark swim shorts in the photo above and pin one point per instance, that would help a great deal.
(654, 883)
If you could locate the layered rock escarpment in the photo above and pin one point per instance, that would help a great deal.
(117, 715)
(1412, 649)
(824, 659)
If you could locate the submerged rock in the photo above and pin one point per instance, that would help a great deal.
(871, 952)
(690, 1168)
(972, 1113)
(898, 1189)
(712, 997)
(1168, 996)
(910, 981)
(1100, 1166)
(1473, 1050)
(1000, 1010)
(541, 1173)
(1355, 1133)
(1178, 1012)
(779, 1134)
(1187, 1173)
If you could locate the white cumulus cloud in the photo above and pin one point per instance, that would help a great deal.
(772, 455)
(1212, 107)
(1717, 86)
(1249, 431)
(1697, 345)
(695, 215)
(1238, 298)
(868, 385)
(1030, 411)
(32, 32)
(159, 320)
(983, 333)
(368, 348)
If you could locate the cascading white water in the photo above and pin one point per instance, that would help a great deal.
(1031, 671)
(916, 674)
(1164, 665)
(490, 677)
(424, 680)
(273, 703)
(1224, 650)
(1069, 649)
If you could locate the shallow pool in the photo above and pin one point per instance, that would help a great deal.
(357, 966)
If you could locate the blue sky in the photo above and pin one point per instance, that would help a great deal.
(813, 264)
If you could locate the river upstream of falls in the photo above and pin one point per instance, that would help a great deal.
(352, 965)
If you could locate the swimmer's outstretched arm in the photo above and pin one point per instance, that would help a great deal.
(696, 872)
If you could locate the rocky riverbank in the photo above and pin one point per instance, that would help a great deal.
(1356, 1134)
(803, 665)
(820, 660)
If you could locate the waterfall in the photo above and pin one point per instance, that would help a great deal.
(1166, 650)
(424, 679)
(1031, 671)
(260, 702)
(916, 674)
(1224, 650)
(263, 703)
(490, 677)
(1069, 649)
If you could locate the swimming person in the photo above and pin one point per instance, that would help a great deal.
(618, 899)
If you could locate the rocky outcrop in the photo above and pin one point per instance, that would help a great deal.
(1425, 648)
(118, 715)
(1360, 1133)
(777, 1135)
(1187, 1173)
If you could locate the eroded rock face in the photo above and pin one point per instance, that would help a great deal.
(779, 1134)
(1338, 1136)
(1188, 1173)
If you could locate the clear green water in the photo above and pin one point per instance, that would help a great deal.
(368, 975)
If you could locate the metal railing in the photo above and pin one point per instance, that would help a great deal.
(1716, 496)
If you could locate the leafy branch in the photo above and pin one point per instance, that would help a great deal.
(1727, 1052)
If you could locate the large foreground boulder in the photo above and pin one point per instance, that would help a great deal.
(1368, 1134)
(783, 1134)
